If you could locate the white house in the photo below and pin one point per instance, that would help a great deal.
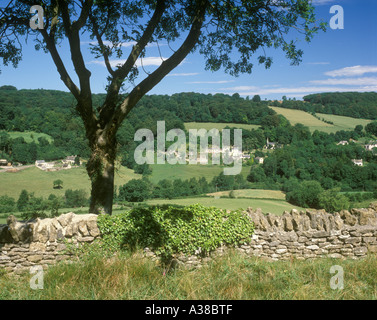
(40, 163)
(358, 162)
(343, 143)
(259, 160)
(370, 146)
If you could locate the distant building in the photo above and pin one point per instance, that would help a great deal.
(270, 145)
(358, 162)
(3, 162)
(259, 160)
(40, 163)
(343, 143)
(370, 146)
(69, 160)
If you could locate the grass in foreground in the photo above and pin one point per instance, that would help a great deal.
(230, 277)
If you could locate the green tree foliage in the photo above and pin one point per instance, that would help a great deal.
(371, 128)
(7, 204)
(36, 207)
(332, 201)
(76, 198)
(135, 190)
(23, 200)
(58, 184)
(307, 195)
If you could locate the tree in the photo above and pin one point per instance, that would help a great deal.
(7, 204)
(307, 195)
(256, 98)
(135, 190)
(371, 128)
(332, 201)
(58, 184)
(23, 200)
(227, 33)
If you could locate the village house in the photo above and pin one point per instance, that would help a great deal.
(370, 146)
(69, 160)
(259, 160)
(270, 145)
(39, 163)
(43, 165)
(343, 143)
(246, 156)
(358, 162)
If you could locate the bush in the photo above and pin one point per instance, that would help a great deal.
(76, 198)
(172, 229)
(306, 194)
(35, 208)
(135, 190)
(332, 201)
(7, 204)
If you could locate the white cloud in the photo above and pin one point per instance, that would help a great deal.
(366, 81)
(296, 91)
(352, 71)
(149, 61)
(323, 2)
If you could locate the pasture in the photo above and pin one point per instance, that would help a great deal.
(41, 182)
(186, 171)
(267, 205)
(252, 193)
(29, 136)
(305, 118)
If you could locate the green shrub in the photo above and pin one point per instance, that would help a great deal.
(172, 229)
(7, 204)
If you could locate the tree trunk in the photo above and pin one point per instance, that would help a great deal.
(100, 168)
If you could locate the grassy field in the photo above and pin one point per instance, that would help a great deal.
(230, 277)
(340, 123)
(268, 206)
(184, 172)
(252, 193)
(29, 136)
(219, 126)
(41, 182)
(344, 123)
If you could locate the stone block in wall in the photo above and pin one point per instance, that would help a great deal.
(366, 216)
(360, 251)
(348, 218)
(287, 220)
(19, 231)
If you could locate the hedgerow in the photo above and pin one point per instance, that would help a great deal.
(171, 229)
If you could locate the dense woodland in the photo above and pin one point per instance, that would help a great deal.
(303, 158)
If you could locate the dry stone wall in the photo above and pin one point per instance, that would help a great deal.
(301, 235)
(43, 241)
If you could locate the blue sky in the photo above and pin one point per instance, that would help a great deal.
(338, 60)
